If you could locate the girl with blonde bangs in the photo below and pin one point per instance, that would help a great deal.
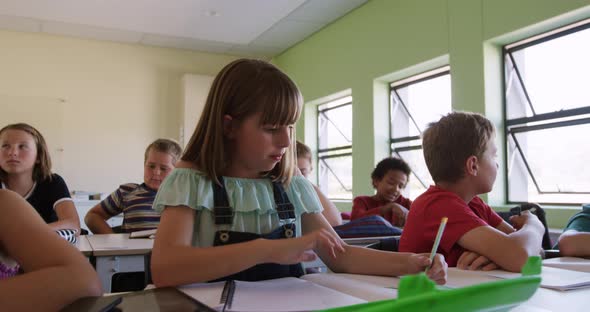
(233, 207)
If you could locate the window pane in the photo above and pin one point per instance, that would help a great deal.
(555, 73)
(335, 131)
(558, 161)
(420, 179)
(413, 106)
(335, 177)
(426, 102)
(334, 127)
(551, 168)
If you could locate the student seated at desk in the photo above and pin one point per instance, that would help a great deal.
(389, 178)
(330, 212)
(25, 168)
(460, 154)
(135, 200)
(575, 239)
(232, 209)
(46, 261)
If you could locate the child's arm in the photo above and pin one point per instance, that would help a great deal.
(359, 260)
(361, 209)
(470, 260)
(67, 216)
(176, 262)
(55, 273)
(493, 244)
(574, 244)
(505, 227)
(330, 212)
(96, 218)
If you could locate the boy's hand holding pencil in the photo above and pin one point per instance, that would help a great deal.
(435, 266)
(436, 269)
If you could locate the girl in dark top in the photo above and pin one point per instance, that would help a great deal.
(25, 168)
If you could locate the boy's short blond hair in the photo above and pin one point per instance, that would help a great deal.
(303, 151)
(448, 143)
(167, 146)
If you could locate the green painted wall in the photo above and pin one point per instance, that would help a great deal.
(385, 40)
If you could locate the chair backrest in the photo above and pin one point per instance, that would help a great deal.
(386, 244)
(367, 227)
(534, 209)
(148, 268)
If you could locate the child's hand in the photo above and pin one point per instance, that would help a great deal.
(437, 272)
(398, 211)
(526, 217)
(401, 213)
(473, 261)
(295, 250)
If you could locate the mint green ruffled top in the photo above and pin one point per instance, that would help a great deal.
(251, 199)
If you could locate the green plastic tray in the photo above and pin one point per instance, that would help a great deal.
(418, 293)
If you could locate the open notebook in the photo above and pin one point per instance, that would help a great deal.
(143, 234)
(553, 278)
(569, 263)
(349, 292)
(309, 293)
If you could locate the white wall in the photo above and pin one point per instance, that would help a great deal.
(98, 103)
(195, 90)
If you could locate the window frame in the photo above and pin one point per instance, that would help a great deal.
(548, 120)
(393, 87)
(321, 157)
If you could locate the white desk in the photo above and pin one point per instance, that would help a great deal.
(373, 288)
(83, 245)
(84, 205)
(117, 253)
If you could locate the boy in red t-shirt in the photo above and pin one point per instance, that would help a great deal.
(460, 154)
(390, 177)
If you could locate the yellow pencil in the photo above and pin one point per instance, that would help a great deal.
(441, 229)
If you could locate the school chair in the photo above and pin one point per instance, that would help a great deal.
(117, 229)
(148, 269)
(386, 244)
(534, 209)
(370, 226)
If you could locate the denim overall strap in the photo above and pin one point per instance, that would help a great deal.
(286, 214)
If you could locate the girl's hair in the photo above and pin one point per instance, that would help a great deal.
(164, 146)
(242, 88)
(42, 169)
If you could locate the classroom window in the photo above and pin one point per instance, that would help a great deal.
(547, 116)
(335, 148)
(415, 102)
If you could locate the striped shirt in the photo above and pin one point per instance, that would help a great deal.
(135, 202)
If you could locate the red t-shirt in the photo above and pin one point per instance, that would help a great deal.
(424, 219)
(363, 206)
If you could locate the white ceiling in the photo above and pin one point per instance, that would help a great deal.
(261, 28)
